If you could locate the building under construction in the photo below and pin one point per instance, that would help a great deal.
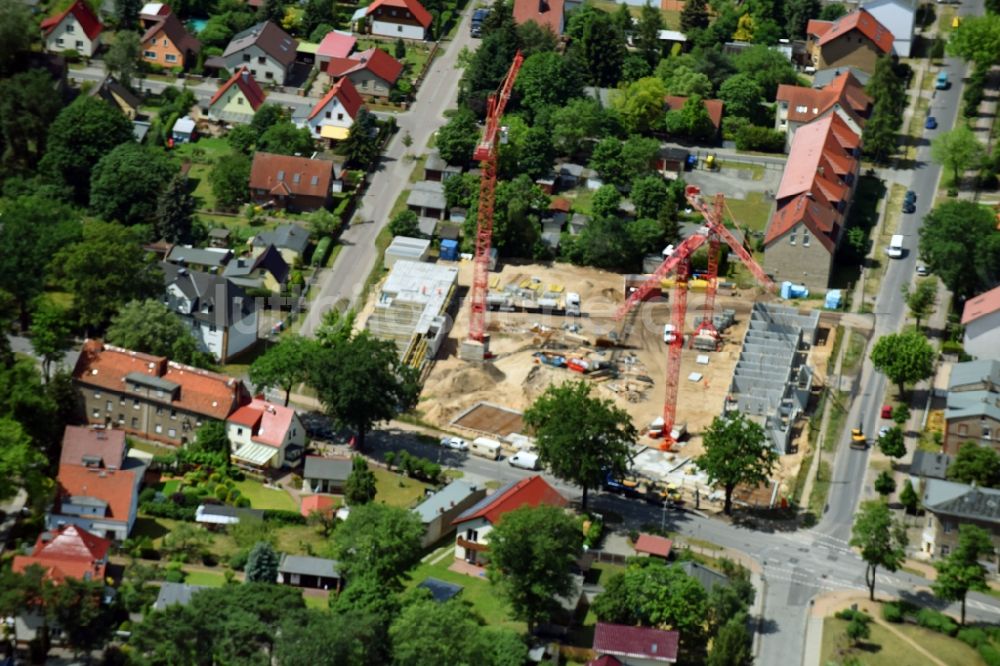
(411, 309)
(771, 382)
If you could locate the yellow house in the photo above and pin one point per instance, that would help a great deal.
(237, 99)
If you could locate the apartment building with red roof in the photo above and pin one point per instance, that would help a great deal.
(844, 96)
(237, 99)
(76, 28)
(373, 72)
(812, 202)
(67, 552)
(101, 501)
(398, 18)
(981, 319)
(854, 40)
(150, 396)
(474, 525)
(264, 435)
(333, 115)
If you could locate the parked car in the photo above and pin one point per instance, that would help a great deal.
(922, 270)
(909, 207)
(930, 123)
(456, 443)
(910, 196)
(886, 411)
(882, 431)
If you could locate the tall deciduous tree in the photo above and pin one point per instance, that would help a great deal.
(378, 541)
(318, 637)
(797, 15)
(694, 15)
(959, 243)
(741, 95)
(360, 146)
(82, 133)
(881, 539)
(647, 38)
(903, 358)
(691, 120)
(149, 326)
(572, 124)
(175, 211)
(908, 497)
(27, 109)
(921, 300)
(51, 335)
(362, 382)
(649, 195)
(976, 464)
(16, 31)
(957, 150)
(122, 58)
(580, 437)
(229, 180)
(282, 365)
(599, 46)
(547, 78)
(360, 486)
(977, 39)
(888, 92)
(531, 552)
(892, 443)
(127, 182)
(885, 484)
(736, 452)
(21, 463)
(127, 13)
(105, 270)
(961, 570)
(640, 105)
(284, 138)
(262, 564)
(682, 80)
(428, 632)
(457, 138)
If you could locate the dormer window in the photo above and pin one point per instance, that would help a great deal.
(801, 108)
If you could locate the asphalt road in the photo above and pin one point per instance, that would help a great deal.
(345, 281)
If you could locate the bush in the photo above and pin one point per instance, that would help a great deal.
(171, 510)
(891, 612)
(243, 502)
(284, 517)
(173, 573)
(239, 561)
(322, 251)
(989, 654)
(850, 614)
(973, 636)
(936, 621)
(147, 495)
(763, 139)
(221, 492)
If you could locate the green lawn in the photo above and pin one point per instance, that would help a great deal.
(170, 487)
(752, 212)
(485, 600)
(583, 201)
(397, 490)
(204, 578)
(881, 649)
(266, 498)
(317, 603)
(416, 54)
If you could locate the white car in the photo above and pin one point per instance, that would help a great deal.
(882, 431)
(456, 443)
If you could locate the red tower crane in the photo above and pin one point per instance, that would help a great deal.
(486, 154)
(679, 263)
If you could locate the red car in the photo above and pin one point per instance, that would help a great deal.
(887, 411)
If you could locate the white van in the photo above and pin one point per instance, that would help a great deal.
(895, 249)
(485, 447)
(524, 460)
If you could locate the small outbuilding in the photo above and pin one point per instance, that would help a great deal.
(650, 545)
(219, 514)
(184, 130)
(326, 475)
(407, 248)
(316, 573)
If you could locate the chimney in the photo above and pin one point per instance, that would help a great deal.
(246, 74)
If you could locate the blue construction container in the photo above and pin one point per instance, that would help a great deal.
(449, 250)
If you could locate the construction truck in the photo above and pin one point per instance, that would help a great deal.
(858, 439)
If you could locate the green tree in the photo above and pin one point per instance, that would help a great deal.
(691, 120)
(598, 46)
(122, 58)
(731, 645)
(741, 95)
(640, 105)
(736, 453)
(361, 382)
(315, 13)
(683, 80)
(405, 223)
(797, 15)
(653, 593)
(27, 109)
(767, 66)
(127, 13)
(577, 121)
(547, 78)
(360, 486)
(428, 632)
(888, 91)
(881, 539)
(361, 147)
(959, 244)
(82, 133)
(127, 182)
(580, 437)
(832, 11)
(335, 327)
(282, 365)
(892, 443)
(885, 484)
(531, 553)
(267, 116)
(211, 440)
(961, 571)
(976, 464)
(77, 608)
(21, 464)
(921, 300)
(365, 597)
(284, 138)
(536, 153)
(649, 194)
(901, 415)
(229, 180)
(857, 629)
(958, 150)
(242, 138)
(977, 39)
(378, 541)
(319, 637)
(262, 564)
(51, 335)
(908, 497)
(105, 270)
(457, 139)
(694, 15)
(647, 38)
(903, 357)
(607, 201)
(16, 33)
(175, 211)
(149, 326)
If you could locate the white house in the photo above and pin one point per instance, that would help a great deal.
(475, 524)
(76, 28)
(265, 49)
(221, 316)
(899, 16)
(397, 18)
(265, 435)
(334, 114)
(237, 100)
(981, 319)
(438, 511)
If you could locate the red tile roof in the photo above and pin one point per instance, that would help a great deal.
(636, 642)
(560, 204)
(103, 443)
(85, 16)
(288, 174)
(336, 44)
(653, 545)
(199, 391)
(375, 60)
(346, 94)
(546, 13)
(68, 552)
(806, 104)
(114, 487)
(320, 503)
(531, 491)
(243, 80)
(606, 660)
(270, 422)
(713, 106)
(422, 15)
(859, 20)
(981, 305)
